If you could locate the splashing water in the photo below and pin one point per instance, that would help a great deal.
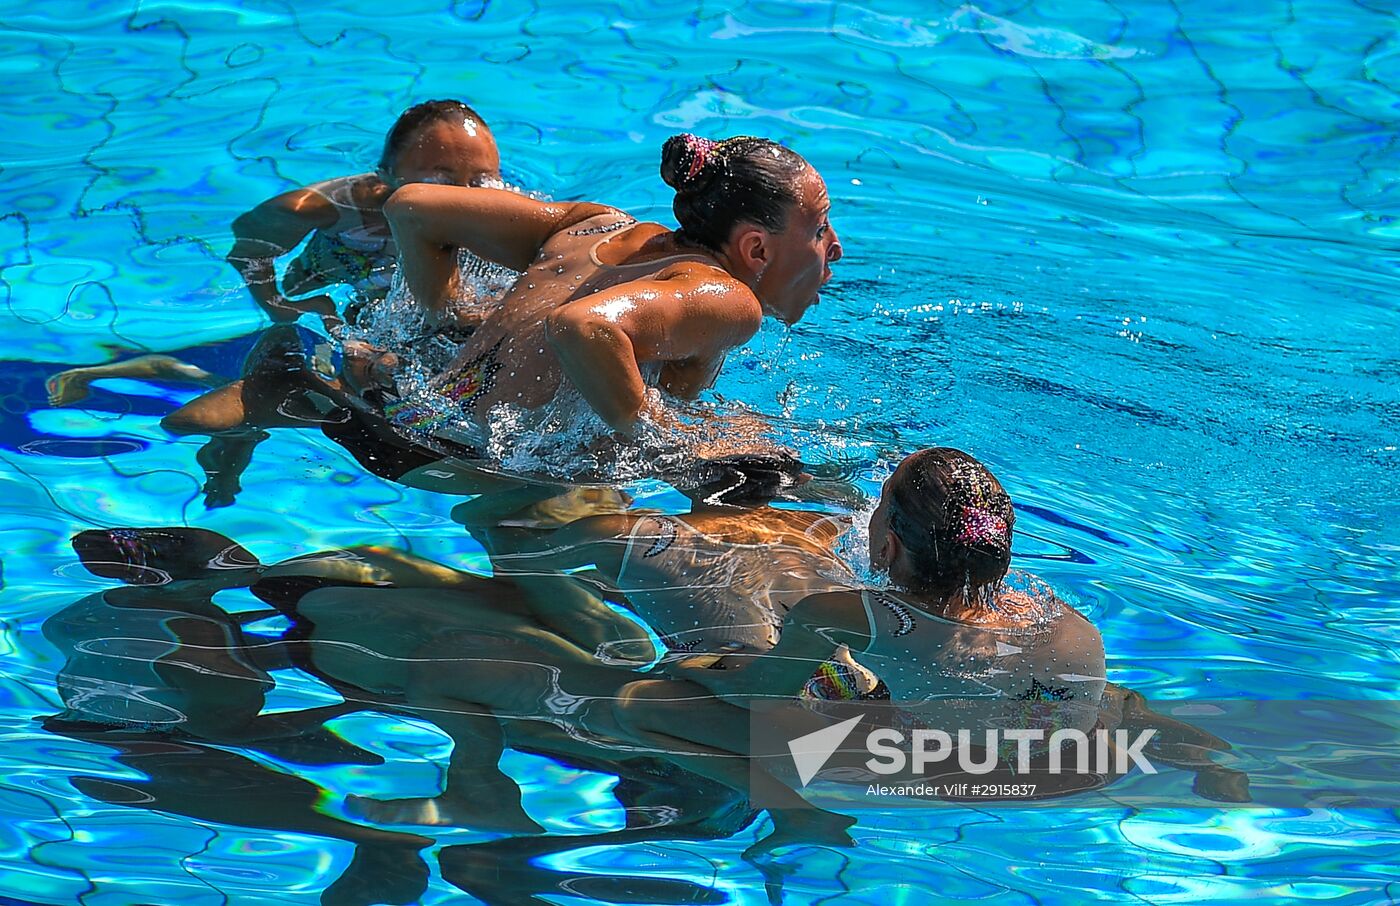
(400, 324)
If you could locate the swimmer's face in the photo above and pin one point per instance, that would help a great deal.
(453, 154)
(800, 257)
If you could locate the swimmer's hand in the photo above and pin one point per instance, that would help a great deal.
(366, 366)
(653, 419)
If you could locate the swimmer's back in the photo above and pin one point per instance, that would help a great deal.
(509, 359)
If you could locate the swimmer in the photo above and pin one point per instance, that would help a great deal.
(717, 580)
(612, 308)
(158, 657)
(943, 532)
(950, 625)
(953, 624)
(441, 141)
(435, 141)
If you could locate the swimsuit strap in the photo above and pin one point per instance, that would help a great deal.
(654, 264)
(869, 619)
(633, 537)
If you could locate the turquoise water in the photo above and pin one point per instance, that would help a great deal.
(1136, 256)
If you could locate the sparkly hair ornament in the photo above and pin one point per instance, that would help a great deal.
(981, 528)
(955, 520)
(700, 149)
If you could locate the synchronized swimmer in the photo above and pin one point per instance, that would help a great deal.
(607, 634)
(614, 308)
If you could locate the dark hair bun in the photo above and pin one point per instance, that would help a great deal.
(680, 159)
(718, 184)
(954, 518)
(155, 556)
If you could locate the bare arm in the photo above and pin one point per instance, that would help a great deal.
(812, 632)
(269, 231)
(430, 222)
(690, 319)
(597, 541)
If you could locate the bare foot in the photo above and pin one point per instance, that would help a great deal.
(802, 827)
(69, 386)
(502, 817)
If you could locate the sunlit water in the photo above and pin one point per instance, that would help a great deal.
(1139, 257)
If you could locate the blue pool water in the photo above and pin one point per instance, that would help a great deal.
(1139, 257)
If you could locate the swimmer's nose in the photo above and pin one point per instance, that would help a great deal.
(833, 251)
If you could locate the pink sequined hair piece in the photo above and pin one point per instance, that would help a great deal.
(700, 149)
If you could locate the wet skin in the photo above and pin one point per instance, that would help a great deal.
(590, 311)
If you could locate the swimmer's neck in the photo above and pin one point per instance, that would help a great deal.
(675, 243)
(958, 603)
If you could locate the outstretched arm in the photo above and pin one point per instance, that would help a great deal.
(269, 231)
(812, 632)
(689, 321)
(430, 222)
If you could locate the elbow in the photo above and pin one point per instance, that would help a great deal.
(566, 327)
(406, 204)
(580, 333)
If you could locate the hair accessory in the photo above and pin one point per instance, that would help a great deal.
(980, 527)
(700, 149)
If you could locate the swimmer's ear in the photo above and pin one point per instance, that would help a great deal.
(891, 550)
(751, 247)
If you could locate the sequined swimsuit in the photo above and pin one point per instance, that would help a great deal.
(923, 657)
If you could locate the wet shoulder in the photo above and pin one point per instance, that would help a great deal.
(588, 226)
(350, 198)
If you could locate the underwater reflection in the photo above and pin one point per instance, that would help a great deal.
(157, 671)
(629, 641)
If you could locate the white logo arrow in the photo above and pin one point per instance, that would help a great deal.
(811, 752)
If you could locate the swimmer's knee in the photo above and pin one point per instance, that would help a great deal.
(181, 423)
(218, 410)
(637, 702)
